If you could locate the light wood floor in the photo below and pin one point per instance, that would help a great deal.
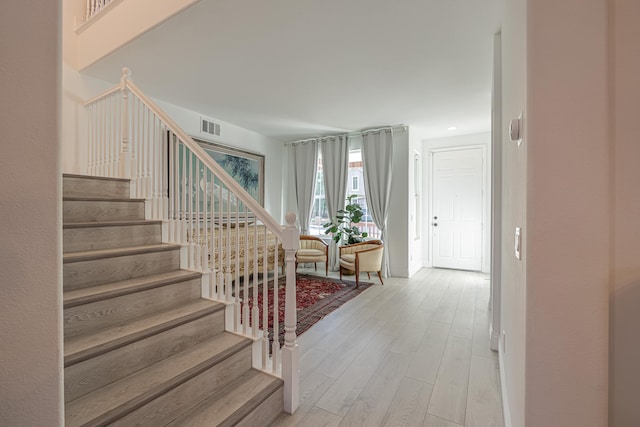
(414, 352)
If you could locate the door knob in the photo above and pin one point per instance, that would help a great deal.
(435, 224)
(435, 217)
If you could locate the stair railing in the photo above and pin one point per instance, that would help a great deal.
(224, 232)
(94, 7)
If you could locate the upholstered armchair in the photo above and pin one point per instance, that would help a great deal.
(313, 249)
(361, 257)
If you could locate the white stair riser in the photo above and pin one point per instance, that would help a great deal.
(100, 314)
(94, 238)
(102, 210)
(93, 373)
(182, 398)
(94, 187)
(82, 274)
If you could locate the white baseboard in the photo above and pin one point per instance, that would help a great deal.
(503, 388)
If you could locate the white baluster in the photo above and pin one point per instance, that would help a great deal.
(275, 343)
(212, 244)
(125, 155)
(158, 165)
(290, 357)
(142, 152)
(90, 147)
(198, 248)
(245, 294)
(103, 138)
(220, 288)
(237, 321)
(192, 244)
(114, 157)
(204, 260)
(164, 174)
(229, 249)
(255, 309)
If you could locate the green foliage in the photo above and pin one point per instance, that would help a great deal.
(342, 225)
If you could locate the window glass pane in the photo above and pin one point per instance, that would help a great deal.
(320, 214)
(356, 176)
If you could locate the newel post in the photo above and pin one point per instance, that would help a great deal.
(125, 150)
(290, 364)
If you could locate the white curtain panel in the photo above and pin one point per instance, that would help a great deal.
(305, 164)
(377, 162)
(335, 167)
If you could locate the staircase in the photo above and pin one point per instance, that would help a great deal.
(141, 347)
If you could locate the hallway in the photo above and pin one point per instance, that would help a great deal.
(413, 352)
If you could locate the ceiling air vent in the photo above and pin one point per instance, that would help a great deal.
(209, 127)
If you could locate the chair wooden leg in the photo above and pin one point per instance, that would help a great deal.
(340, 272)
(369, 275)
(357, 279)
(326, 268)
(380, 277)
(315, 265)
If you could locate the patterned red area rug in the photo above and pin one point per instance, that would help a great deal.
(316, 296)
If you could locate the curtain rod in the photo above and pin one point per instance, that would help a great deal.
(354, 133)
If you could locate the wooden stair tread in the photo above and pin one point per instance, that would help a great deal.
(98, 178)
(121, 397)
(89, 345)
(117, 252)
(91, 294)
(100, 199)
(110, 223)
(231, 403)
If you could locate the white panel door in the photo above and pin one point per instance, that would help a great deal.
(456, 222)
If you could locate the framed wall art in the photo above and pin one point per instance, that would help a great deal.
(246, 168)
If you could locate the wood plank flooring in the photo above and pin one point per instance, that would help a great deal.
(414, 352)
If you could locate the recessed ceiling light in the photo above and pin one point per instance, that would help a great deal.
(452, 128)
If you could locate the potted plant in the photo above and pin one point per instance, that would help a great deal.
(342, 225)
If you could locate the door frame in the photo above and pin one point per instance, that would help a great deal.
(485, 235)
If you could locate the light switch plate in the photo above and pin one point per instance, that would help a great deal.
(518, 243)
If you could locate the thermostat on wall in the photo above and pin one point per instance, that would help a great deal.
(515, 130)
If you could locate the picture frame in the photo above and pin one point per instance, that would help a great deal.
(245, 167)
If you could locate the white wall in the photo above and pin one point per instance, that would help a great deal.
(31, 211)
(624, 364)
(416, 228)
(496, 193)
(514, 204)
(568, 196)
(482, 140)
(556, 186)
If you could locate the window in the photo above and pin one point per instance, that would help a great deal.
(320, 213)
(354, 183)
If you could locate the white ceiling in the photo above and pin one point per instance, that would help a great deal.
(293, 69)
